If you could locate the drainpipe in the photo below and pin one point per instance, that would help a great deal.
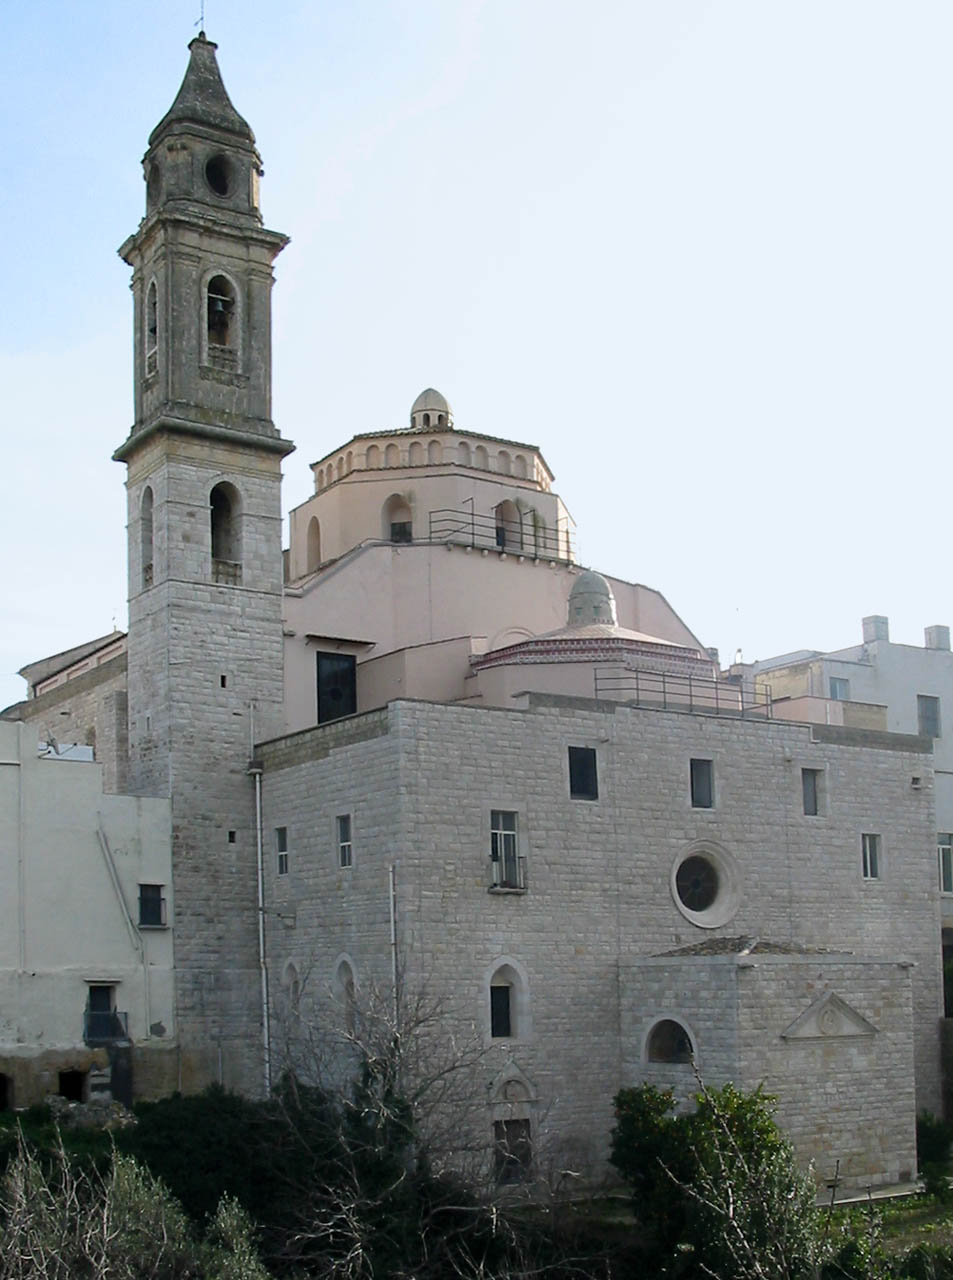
(255, 770)
(134, 934)
(392, 877)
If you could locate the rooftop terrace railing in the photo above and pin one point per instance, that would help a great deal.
(673, 692)
(524, 537)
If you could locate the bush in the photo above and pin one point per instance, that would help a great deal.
(934, 1138)
(719, 1189)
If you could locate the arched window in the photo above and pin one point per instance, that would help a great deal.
(152, 329)
(145, 528)
(508, 1002)
(314, 544)
(225, 512)
(463, 453)
(221, 312)
(480, 457)
(349, 463)
(345, 994)
(434, 452)
(509, 527)
(441, 419)
(392, 456)
(426, 419)
(503, 462)
(542, 544)
(519, 467)
(372, 458)
(292, 985)
(397, 521)
(416, 455)
(340, 468)
(321, 479)
(669, 1042)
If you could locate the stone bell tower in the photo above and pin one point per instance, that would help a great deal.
(205, 571)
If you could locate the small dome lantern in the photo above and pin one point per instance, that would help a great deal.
(431, 412)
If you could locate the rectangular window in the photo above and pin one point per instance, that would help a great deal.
(583, 780)
(810, 789)
(505, 861)
(928, 716)
(337, 686)
(281, 848)
(501, 1024)
(944, 849)
(513, 1151)
(703, 789)
(151, 906)
(840, 689)
(345, 847)
(870, 856)
(401, 531)
(103, 1024)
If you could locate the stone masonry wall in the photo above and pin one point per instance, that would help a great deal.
(599, 873)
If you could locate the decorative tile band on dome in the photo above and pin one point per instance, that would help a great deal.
(568, 648)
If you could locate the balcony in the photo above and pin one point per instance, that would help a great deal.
(105, 1027)
(508, 874)
(513, 537)
(228, 572)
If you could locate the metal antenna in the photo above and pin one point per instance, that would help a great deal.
(201, 22)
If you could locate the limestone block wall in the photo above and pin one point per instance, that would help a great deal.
(599, 892)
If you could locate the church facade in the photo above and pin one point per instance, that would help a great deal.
(421, 752)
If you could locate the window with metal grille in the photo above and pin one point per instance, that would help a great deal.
(506, 864)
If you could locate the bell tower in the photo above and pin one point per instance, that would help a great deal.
(203, 481)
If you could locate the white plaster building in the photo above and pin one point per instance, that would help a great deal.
(85, 939)
(423, 747)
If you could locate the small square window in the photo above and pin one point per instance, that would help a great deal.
(703, 788)
(583, 779)
(401, 531)
(928, 716)
(231, 837)
(345, 846)
(944, 849)
(281, 846)
(151, 907)
(840, 689)
(811, 791)
(871, 859)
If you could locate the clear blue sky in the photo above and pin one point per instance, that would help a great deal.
(699, 252)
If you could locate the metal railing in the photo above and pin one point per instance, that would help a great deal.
(105, 1026)
(508, 872)
(524, 537)
(683, 692)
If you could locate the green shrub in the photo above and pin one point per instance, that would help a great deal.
(934, 1138)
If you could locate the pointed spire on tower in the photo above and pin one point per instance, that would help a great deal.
(202, 98)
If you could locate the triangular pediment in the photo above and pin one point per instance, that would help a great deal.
(828, 1018)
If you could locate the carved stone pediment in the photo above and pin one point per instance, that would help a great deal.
(828, 1018)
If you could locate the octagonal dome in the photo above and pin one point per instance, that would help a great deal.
(431, 410)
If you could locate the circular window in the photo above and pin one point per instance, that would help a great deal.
(705, 885)
(218, 175)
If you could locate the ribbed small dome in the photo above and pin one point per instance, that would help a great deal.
(591, 600)
(429, 410)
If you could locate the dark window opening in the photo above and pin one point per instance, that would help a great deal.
(225, 530)
(146, 538)
(337, 686)
(501, 1025)
(810, 780)
(401, 531)
(72, 1085)
(583, 782)
(218, 175)
(231, 837)
(151, 907)
(6, 1092)
(221, 309)
(702, 776)
(223, 682)
(345, 844)
(104, 1024)
(281, 848)
(513, 1151)
(696, 883)
(669, 1042)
